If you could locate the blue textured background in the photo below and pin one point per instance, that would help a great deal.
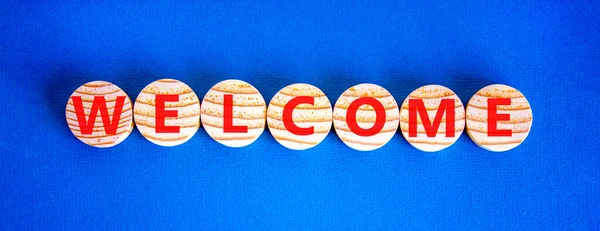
(550, 50)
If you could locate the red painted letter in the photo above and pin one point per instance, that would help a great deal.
(228, 126)
(288, 122)
(494, 117)
(99, 103)
(379, 119)
(161, 113)
(446, 105)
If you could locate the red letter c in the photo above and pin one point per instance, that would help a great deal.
(287, 118)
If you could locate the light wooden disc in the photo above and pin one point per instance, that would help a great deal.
(249, 109)
(521, 118)
(99, 138)
(188, 112)
(318, 116)
(366, 117)
(432, 96)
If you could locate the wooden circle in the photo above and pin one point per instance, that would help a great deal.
(249, 109)
(188, 112)
(432, 96)
(366, 117)
(521, 118)
(318, 116)
(98, 137)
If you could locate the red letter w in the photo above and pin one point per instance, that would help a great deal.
(86, 128)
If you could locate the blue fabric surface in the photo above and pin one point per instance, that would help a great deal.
(549, 50)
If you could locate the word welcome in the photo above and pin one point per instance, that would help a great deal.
(366, 116)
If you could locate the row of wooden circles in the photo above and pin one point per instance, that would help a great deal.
(183, 115)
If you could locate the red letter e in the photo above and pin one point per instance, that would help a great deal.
(161, 113)
(494, 117)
